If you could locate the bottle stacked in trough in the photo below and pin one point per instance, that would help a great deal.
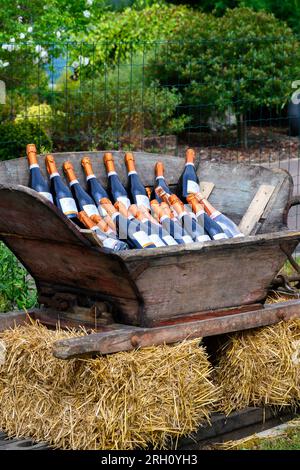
(135, 216)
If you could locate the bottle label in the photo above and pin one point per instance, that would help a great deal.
(160, 178)
(187, 239)
(189, 163)
(164, 217)
(203, 238)
(132, 173)
(34, 165)
(102, 211)
(179, 216)
(220, 236)
(90, 209)
(68, 205)
(53, 175)
(192, 187)
(156, 240)
(215, 214)
(124, 201)
(142, 200)
(142, 238)
(200, 213)
(73, 182)
(89, 177)
(47, 196)
(169, 240)
(111, 173)
(110, 243)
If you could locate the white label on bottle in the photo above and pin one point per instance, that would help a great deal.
(54, 174)
(203, 238)
(199, 213)
(89, 177)
(110, 243)
(142, 238)
(132, 173)
(163, 217)
(215, 214)
(187, 239)
(73, 182)
(142, 200)
(124, 201)
(179, 216)
(68, 205)
(102, 211)
(47, 196)
(192, 187)
(34, 165)
(169, 240)
(110, 173)
(220, 236)
(90, 209)
(160, 178)
(156, 240)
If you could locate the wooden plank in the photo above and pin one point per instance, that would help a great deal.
(115, 341)
(177, 284)
(12, 319)
(256, 208)
(206, 188)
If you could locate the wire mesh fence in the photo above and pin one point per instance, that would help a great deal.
(229, 101)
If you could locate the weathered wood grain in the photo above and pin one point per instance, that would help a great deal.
(127, 340)
(256, 208)
(215, 276)
(206, 188)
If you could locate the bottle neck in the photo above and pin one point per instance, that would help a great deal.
(109, 164)
(190, 157)
(87, 167)
(70, 174)
(130, 164)
(159, 170)
(209, 208)
(32, 160)
(51, 166)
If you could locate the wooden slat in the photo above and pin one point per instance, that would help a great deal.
(206, 188)
(256, 208)
(129, 339)
(12, 319)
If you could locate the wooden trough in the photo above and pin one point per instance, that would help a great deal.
(144, 297)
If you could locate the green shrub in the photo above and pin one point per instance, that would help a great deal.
(16, 135)
(17, 290)
(118, 108)
(240, 61)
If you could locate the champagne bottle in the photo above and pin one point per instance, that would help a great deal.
(95, 188)
(103, 225)
(83, 199)
(164, 216)
(36, 179)
(160, 180)
(156, 232)
(227, 225)
(106, 241)
(188, 182)
(115, 187)
(213, 229)
(62, 195)
(129, 230)
(136, 189)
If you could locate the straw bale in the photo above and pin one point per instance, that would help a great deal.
(147, 397)
(260, 367)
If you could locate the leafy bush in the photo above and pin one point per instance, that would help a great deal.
(16, 135)
(240, 61)
(116, 108)
(17, 290)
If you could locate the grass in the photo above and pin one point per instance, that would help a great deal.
(17, 288)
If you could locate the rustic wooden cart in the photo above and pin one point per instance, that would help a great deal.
(143, 297)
